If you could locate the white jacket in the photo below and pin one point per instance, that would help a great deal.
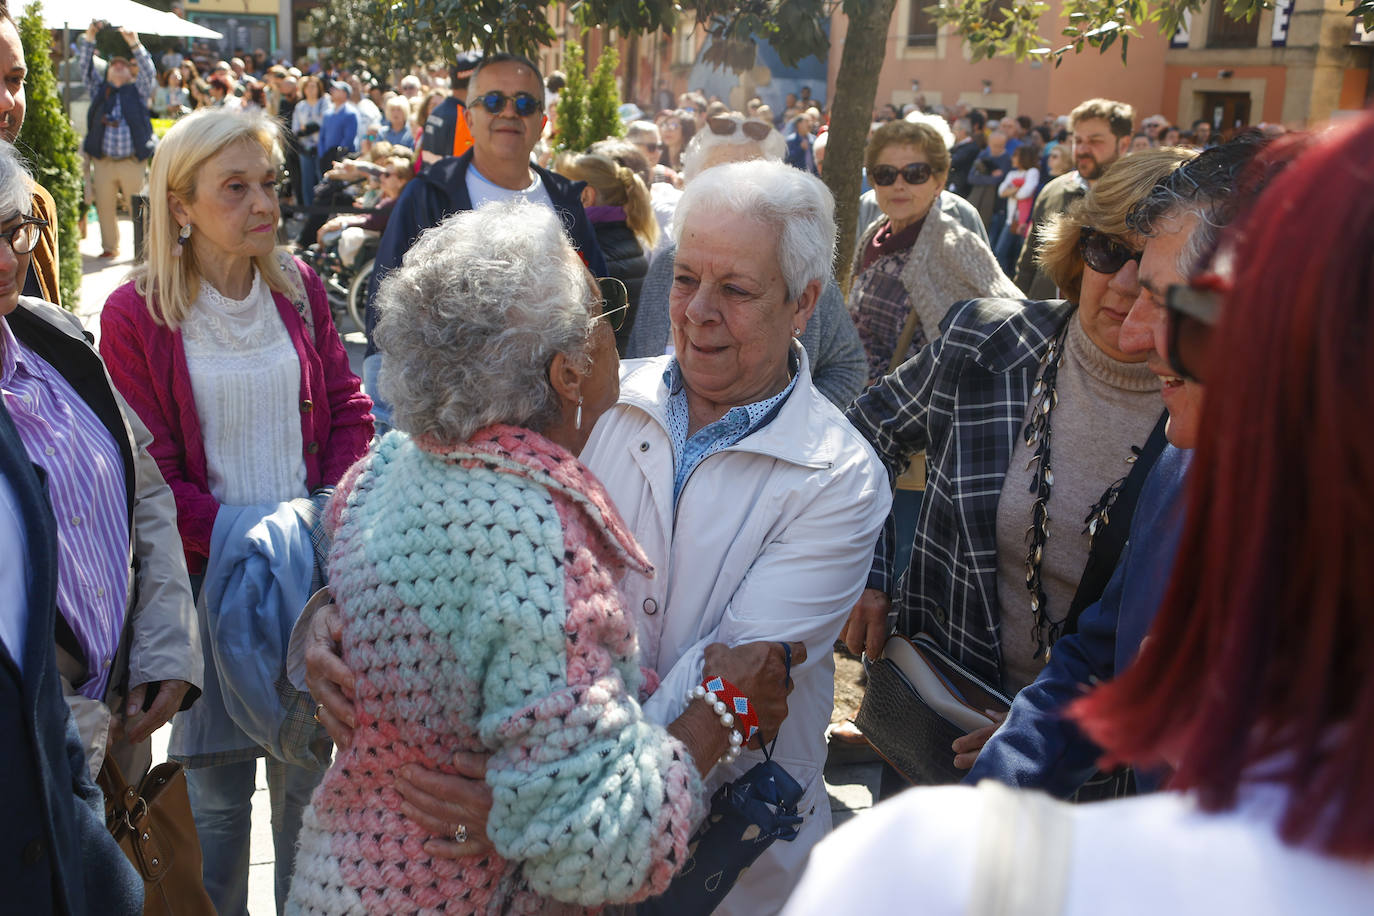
(772, 540)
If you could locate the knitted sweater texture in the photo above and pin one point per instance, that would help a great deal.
(477, 588)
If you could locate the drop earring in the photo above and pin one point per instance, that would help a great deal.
(577, 420)
(182, 237)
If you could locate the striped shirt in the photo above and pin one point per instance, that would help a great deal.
(85, 480)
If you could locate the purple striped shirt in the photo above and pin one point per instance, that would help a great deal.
(86, 487)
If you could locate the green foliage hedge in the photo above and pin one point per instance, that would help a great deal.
(49, 144)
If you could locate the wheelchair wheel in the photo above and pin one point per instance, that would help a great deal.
(357, 296)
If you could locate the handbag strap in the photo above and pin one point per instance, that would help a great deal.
(787, 676)
(904, 340)
(1110, 538)
(1022, 864)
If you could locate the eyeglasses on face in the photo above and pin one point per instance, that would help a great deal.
(725, 126)
(1192, 312)
(23, 237)
(615, 301)
(1102, 252)
(525, 104)
(913, 173)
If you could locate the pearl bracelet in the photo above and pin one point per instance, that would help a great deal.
(734, 710)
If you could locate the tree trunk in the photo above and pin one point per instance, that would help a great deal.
(851, 113)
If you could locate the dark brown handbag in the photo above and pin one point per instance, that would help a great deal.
(152, 824)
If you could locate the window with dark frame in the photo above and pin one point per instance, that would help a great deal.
(1225, 32)
(922, 31)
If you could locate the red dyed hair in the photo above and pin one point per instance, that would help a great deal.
(1264, 647)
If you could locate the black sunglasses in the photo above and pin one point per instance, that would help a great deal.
(615, 301)
(1102, 252)
(912, 173)
(1192, 313)
(23, 237)
(525, 104)
(725, 126)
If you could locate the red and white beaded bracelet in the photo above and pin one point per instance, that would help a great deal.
(734, 709)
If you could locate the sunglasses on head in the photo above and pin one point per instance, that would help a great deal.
(1192, 312)
(1102, 252)
(525, 104)
(725, 126)
(615, 301)
(912, 173)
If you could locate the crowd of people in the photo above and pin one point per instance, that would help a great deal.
(567, 567)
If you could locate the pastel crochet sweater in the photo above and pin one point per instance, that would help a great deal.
(477, 588)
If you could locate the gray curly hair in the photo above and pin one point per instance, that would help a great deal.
(474, 315)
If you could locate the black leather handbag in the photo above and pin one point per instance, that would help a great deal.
(917, 702)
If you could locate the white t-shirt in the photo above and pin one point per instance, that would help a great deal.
(481, 191)
(930, 851)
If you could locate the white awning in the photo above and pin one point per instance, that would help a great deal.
(76, 15)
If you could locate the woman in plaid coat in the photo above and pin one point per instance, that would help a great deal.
(990, 578)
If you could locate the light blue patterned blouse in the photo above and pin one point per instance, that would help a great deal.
(738, 422)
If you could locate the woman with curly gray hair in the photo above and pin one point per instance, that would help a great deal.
(475, 564)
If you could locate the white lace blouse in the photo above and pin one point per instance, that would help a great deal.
(246, 377)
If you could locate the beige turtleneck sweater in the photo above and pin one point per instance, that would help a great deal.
(1105, 407)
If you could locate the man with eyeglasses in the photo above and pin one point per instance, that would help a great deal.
(506, 117)
(1179, 222)
(100, 640)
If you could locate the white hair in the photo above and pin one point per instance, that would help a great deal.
(472, 318)
(694, 158)
(16, 194)
(935, 123)
(797, 206)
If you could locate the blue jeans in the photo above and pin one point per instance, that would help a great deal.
(1008, 250)
(381, 410)
(309, 176)
(222, 804)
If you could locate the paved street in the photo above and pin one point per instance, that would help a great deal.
(852, 786)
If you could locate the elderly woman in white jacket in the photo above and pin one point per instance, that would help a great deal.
(752, 497)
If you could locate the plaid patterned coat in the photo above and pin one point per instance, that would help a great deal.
(962, 399)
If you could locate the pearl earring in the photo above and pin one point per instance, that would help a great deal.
(577, 420)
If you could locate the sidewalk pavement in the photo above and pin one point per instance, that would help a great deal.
(852, 787)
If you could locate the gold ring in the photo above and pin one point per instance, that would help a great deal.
(318, 707)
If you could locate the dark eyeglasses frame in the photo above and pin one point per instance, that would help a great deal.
(615, 301)
(9, 235)
(726, 126)
(913, 173)
(1103, 253)
(526, 105)
(1185, 303)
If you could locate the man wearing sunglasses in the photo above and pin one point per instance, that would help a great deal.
(506, 117)
(1179, 222)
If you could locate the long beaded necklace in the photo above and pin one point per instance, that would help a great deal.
(1037, 433)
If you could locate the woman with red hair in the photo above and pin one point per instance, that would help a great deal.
(1255, 688)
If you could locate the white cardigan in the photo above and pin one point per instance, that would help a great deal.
(772, 540)
(991, 850)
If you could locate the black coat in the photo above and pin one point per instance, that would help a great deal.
(627, 262)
